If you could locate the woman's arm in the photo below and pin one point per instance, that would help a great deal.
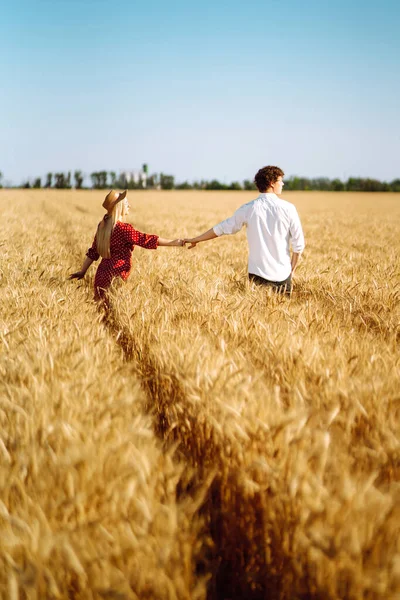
(164, 242)
(207, 235)
(149, 241)
(91, 256)
(80, 274)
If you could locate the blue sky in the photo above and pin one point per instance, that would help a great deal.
(200, 89)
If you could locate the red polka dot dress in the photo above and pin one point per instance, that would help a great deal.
(122, 242)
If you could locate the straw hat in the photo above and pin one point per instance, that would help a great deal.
(112, 199)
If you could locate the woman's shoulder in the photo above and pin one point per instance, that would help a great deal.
(123, 226)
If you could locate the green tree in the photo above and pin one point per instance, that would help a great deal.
(184, 186)
(298, 183)
(1, 177)
(78, 179)
(37, 184)
(152, 181)
(121, 182)
(102, 179)
(395, 185)
(199, 185)
(320, 183)
(249, 185)
(337, 185)
(235, 185)
(48, 180)
(214, 184)
(373, 185)
(113, 177)
(130, 184)
(167, 181)
(95, 180)
(99, 180)
(60, 181)
(354, 184)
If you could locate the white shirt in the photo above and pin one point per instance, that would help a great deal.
(272, 224)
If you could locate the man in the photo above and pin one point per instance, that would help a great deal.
(272, 224)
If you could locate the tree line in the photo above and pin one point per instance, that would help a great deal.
(109, 179)
(101, 180)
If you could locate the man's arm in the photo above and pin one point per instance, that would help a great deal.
(231, 225)
(297, 239)
(207, 235)
(294, 261)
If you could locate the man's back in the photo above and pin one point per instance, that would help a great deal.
(271, 224)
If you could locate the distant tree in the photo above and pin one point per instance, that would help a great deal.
(95, 180)
(103, 179)
(185, 185)
(78, 179)
(113, 177)
(337, 185)
(152, 181)
(289, 184)
(249, 185)
(68, 180)
(99, 180)
(1, 177)
(214, 184)
(395, 185)
(166, 181)
(60, 181)
(131, 184)
(371, 185)
(48, 180)
(124, 181)
(298, 183)
(199, 185)
(305, 183)
(26, 185)
(354, 184)
(320, 183)
(37, 183)
(235, 185)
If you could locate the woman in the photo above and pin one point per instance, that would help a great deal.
(114, 242)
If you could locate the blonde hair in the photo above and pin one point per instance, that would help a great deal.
(105, 229)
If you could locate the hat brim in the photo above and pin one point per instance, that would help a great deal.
(120, 197)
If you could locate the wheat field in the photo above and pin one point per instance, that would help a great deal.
(204, 438)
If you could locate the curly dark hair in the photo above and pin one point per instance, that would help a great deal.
(266, 176)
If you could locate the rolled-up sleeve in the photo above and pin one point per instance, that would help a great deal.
(296, 232)
(92, 252)
(144, 240)
(234, 223)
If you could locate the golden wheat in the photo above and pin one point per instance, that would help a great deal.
(285, 411)
(88, 504)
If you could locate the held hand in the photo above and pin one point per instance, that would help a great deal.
(178, 242)
(78, 275)
(189, 241)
